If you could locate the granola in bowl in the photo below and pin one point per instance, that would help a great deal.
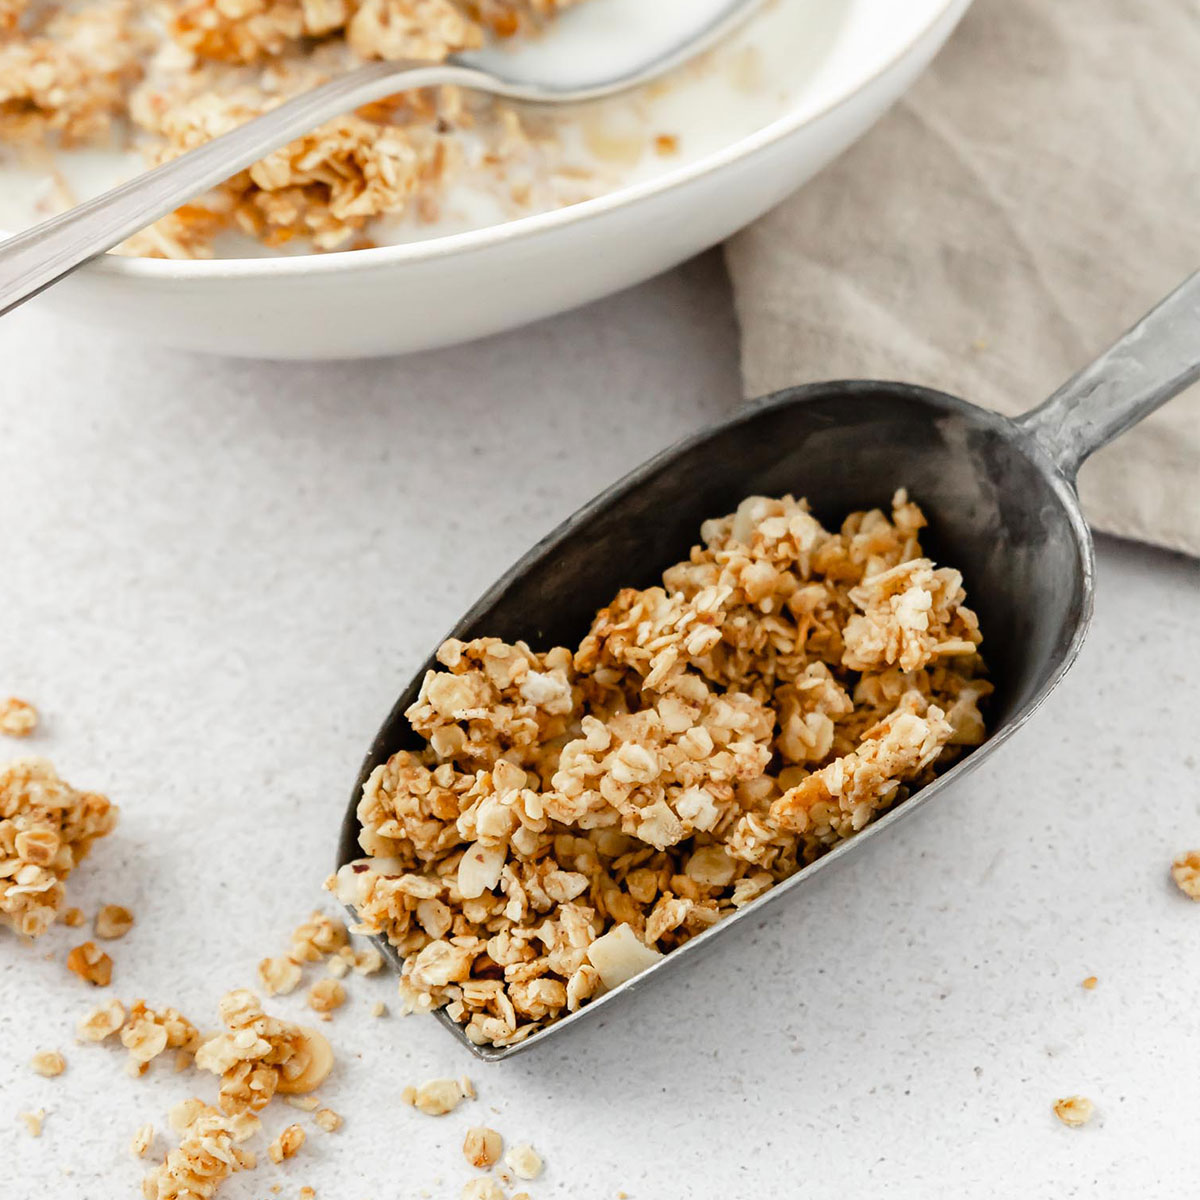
(163, 78)
(576, 814)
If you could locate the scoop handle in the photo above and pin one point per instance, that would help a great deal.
(1142, 370)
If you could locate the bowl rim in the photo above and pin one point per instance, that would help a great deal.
(447, 245)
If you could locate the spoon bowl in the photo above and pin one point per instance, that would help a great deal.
(1002, 508)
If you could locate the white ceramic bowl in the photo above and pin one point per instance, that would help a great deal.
(447, 289)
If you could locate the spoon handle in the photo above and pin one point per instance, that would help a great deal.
(40, 256)
(1142, 370)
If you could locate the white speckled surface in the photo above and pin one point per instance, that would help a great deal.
(216, 575)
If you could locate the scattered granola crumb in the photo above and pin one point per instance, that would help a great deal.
(113, 921)
(379, 1009)
(142, 1140)
(279, 975)
(337, 967)
(325, 995)
(33, 1121)
(327, 1119)
(436, 1097)
(91, 964)
(524, 1161)
(578, 813)
(49, 1063)
(304, 1103)
(1074, 1110)
(482, 1146)
(286, 1144)
(666, 143)
(101, 1022)
(73, 918)
(18, 718)
(46, 828)
(307, 1193)
(1090, 982)
(467, 1087)
(1186, 873)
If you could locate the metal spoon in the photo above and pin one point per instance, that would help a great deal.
(1001, 500)
(40, 256)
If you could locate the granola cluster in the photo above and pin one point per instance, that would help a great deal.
(258, 1055)
(209, 1151)
(576, 814)
(170, 77)
(46, 828)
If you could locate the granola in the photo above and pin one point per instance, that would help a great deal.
(209, 1151)
(259, 1055)
(91, 964)
(577, 814)
(46, 828)
(167, 78)
(524, 1161)
(437, 1097)
(1074, 1110)
(113, 921)
(1185, 870)
(482, 1146)
(18, 718)
(49, 1063)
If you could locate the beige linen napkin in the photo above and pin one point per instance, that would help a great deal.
(1035, 193)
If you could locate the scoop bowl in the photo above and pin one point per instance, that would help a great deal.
(1002, 508)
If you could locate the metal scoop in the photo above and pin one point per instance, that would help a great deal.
(607, 47)
(1002, 507)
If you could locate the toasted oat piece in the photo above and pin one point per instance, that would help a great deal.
(102, 1022)
(1186, 872)
(1074, 1110)
(33, 1121)
(326, 995)
(18, 718)
(91, 964)
(437, 1097)
(49, 1063)
(482, 1146)
(1089, 983)
(113, 921)
(327, 1119)
(279, 975)
(141, 1141)
(286, 1144)
(524, 1161)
